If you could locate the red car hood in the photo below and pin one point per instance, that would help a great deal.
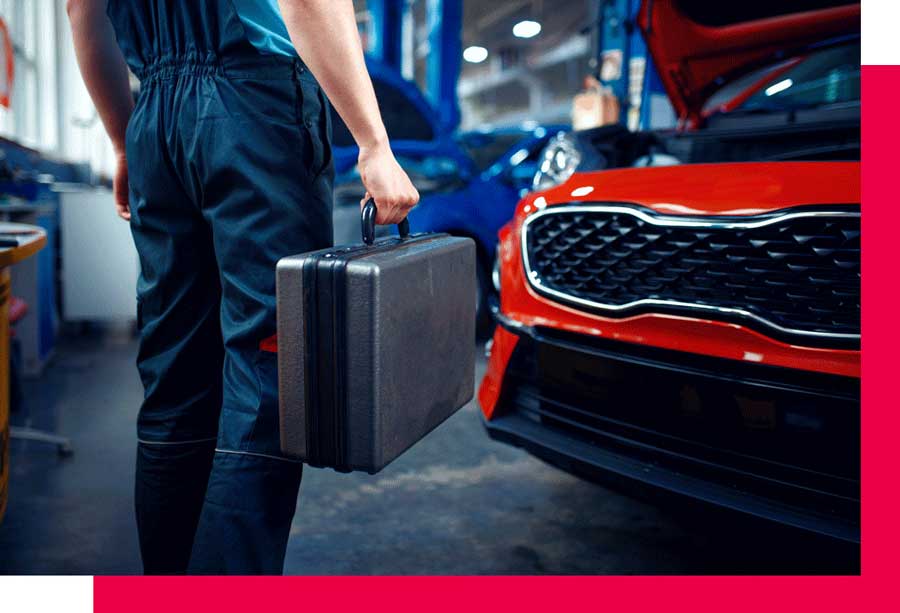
(741, 188)
(693, 59)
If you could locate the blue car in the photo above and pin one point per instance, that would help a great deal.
(411, 121)
(469, 182)
(424, 147)
(502, 164)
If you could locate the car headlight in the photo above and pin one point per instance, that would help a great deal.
(559, 161)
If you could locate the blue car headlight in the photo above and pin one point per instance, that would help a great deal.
(559, 161)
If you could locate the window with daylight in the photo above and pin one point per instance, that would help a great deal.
(32, 118)
(50, 109)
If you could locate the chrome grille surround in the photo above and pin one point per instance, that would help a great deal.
(718, 224)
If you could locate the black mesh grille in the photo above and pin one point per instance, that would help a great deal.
(801, 274)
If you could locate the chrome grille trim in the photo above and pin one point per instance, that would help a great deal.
(756, 221)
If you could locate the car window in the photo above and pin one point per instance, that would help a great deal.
(733, 89)
(829, 76)
(486, 149)
(430, 174)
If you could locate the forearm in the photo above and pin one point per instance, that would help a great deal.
(102, 66)
(325, 35)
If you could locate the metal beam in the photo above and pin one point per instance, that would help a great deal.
(387, 31)
(625, 65)
(445, 44)
(614, 47)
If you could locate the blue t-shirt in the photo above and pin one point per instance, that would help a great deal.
(264, 26)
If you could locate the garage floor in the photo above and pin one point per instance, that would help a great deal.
(458, 503)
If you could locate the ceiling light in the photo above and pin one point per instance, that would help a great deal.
(475, 54)
(778, 87)
(526, 29)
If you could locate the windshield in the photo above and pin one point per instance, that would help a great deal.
(730, 92)
(485, 148)
(829, 76)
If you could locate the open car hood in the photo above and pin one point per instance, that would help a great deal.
(698, 46)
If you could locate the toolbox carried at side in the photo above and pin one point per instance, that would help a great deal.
(376, 345)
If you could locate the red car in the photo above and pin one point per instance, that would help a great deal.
(682, 308)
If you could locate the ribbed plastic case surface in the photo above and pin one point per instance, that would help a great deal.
(375, 347)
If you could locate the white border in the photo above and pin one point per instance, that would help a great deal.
(880, 22)
(47, 594)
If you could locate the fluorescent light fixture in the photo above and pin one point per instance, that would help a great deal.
(526, 29)
(778, 87)
(475, 54)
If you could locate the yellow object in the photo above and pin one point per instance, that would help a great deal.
(31, 240)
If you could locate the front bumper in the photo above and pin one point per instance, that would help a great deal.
(776, 443)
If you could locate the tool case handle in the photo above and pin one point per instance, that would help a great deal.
(368, 213)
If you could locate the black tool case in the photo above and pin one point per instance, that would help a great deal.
(376, 345)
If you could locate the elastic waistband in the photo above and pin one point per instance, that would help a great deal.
(232, 67)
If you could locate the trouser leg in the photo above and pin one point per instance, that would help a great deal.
(179, 359)
(268, 195)
(246, 518)
(170, 484)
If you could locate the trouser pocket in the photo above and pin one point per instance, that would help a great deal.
(314, 116)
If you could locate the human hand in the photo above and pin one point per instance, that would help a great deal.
(120, 187)
(386, 183)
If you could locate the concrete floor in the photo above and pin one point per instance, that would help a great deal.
(457, 503)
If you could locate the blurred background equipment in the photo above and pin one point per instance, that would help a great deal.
(594, 106)
(18, 242)
(98, 276)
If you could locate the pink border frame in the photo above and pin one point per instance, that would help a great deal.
(880, 432)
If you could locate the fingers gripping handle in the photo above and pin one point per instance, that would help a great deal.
(369, 211)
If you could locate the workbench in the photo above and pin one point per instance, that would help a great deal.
(17, 242)
(35, 281)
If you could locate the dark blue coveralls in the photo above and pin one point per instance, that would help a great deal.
(230, 170)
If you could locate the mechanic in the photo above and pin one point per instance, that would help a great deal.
(223, 167)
